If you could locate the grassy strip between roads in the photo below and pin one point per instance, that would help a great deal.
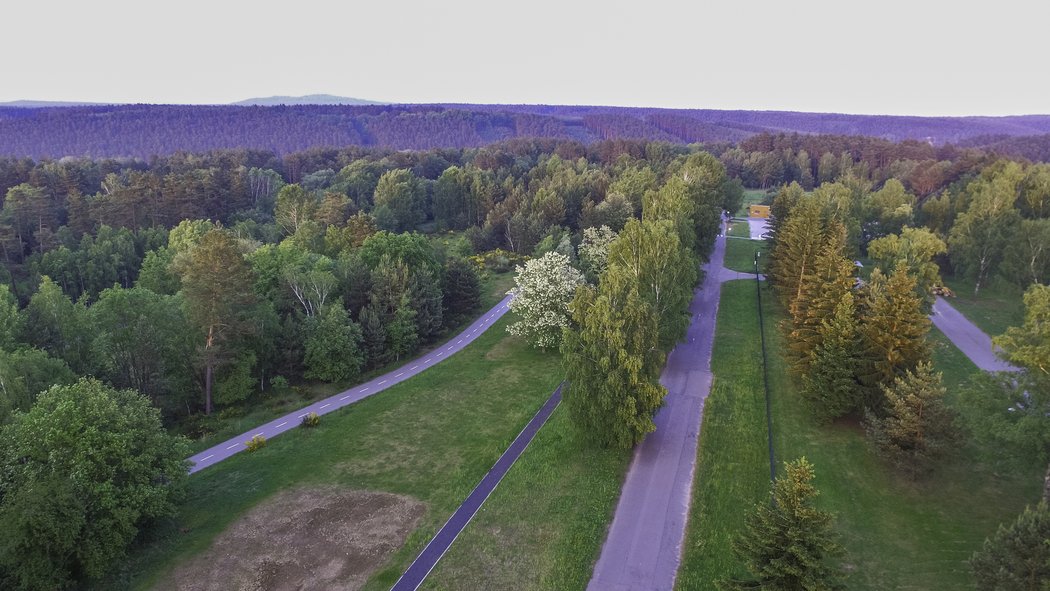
(740, 229)
(544, 525)
(263, 408)
(897, 534)
(740, 255)
(996, 307)
(431, 437)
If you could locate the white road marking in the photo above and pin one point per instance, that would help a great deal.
(413, 367)
(326, 405)
(233, 446)
(383, 382)
(206, 458)
(438, 354)
(459, 341)
(399, 375)
(362, 390)
(259, 434)
(344, 398)
(302, 415)
(281, 425)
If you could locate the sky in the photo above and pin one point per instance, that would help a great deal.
(916, 57)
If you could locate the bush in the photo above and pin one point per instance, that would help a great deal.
(311, 420)
(279, 383)
(256, 442)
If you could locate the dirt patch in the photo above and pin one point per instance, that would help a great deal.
(307, 538)
(502, 349)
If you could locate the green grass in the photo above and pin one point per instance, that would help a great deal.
(753, 197)
(740, 255)
(431, 437)
(544, 525)
(739, 229)
(897, 534)
(996, 307)
(266, 406)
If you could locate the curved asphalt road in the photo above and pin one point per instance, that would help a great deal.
(967, 337)
(644, 545)
(436, 548)
(216, 454)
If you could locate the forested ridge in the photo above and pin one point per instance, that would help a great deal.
(144, 131)
(187, 289)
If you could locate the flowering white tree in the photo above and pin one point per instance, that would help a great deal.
(545, 287)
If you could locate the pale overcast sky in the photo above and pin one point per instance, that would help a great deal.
(892, 57)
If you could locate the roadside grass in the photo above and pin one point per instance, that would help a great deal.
(265, 406)
(897, 533)
(740, 229)
(753, 197)
(544, 525)
(431, 437)
(996, 307)
(740, 255)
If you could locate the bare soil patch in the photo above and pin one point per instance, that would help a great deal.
(301, 539)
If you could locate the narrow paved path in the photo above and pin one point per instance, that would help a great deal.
(967, 337)
(230, 447)
(644, 545)
(432, 553)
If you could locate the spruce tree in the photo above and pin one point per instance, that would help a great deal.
(792, 257)
(819, 294)
(830, 385)
(917, 427)
(787, 542)
(612, 362)
(893, 331)
(1017, 557)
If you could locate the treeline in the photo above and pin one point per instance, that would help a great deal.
(860, 348)
(616, 301)
(144, 131)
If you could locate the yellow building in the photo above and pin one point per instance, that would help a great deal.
(758, 211)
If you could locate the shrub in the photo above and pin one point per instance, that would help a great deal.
(311, 420)
(256, 442)
(279, 383)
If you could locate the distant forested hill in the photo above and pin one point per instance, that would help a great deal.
(153, 130)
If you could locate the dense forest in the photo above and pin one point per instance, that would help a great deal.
(144, 131)
(191, 285)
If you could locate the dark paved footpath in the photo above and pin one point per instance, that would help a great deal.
(429, 557)
(220, 452)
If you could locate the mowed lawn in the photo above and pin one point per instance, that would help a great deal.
(544, 525)
(897, 534)
(751, 197)
(997, 306)
(740, 255)
(432, 437)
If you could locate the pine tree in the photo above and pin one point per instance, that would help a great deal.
(612, 362)
(1017, 557)
(787, 542)
(819, 294)
(917, 427)
(893, 331)
(830, 385)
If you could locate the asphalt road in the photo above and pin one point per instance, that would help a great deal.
(967, 337)
(644, 545)
(436, 548)
(230, 447)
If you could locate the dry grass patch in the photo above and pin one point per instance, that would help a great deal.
(304, 538)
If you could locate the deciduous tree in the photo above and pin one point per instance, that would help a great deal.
(544, 289)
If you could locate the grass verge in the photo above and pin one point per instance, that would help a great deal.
(739, 229)
(544, 525)
(431, 437)
(996, 307)
(898, 534)
(740, 255)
